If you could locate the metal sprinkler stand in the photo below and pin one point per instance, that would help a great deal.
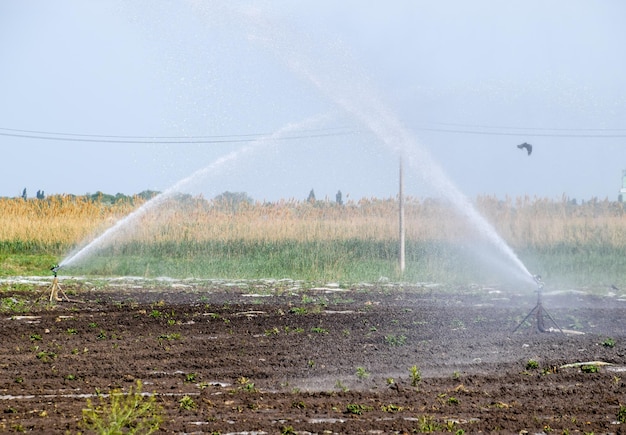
(539, 311)
(55, 288)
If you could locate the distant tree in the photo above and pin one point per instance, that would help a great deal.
(339, 198)
(24, 194)
(311, 197)
(232, 200)
(40, 194)
(121, 197)
(103, 198)
(148, 194)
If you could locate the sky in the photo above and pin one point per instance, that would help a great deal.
(279, 97)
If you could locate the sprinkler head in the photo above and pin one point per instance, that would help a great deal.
(538, 280)
(55, 269)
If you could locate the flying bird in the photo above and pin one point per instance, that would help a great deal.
(528, 147)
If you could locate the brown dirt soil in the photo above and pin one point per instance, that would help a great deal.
(321, 360)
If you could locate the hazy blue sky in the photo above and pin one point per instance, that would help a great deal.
(334, 80)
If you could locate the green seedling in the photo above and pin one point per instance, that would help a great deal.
(46, 356)
(298, 310)
(416, 376)
(273, 331)
(590, 368)
(190, 377)
(609, 342)
(186, 403)
(357, 409)
(393, 340)
(119, 413)
(339, 385)
(361, 373)
(531, 364)
(391, 408)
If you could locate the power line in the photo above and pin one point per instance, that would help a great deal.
(252, 137)
(501, 127)
(449, 128)
(529, 132)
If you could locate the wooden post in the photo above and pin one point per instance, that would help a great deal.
(401, 254)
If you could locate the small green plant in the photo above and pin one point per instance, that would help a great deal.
(187, 403)
(621, 414)
(273, 331)
(287, 430)
(531, 364)
(361, 373)
(71, 331)
(319, 330)
(609, 342)
(246, 385)
(46, 356)
(156, 314)
(298, 310)
(391, 408)
(308, 299)
(93, 325)
(589, 368)
(357, 409)
(453, 401)
(190, 377)
(298, 405)
(35, 337)
(169, 337)
(416, 376)
(341, 386)
(13, 305)
(249, 387)
(427, 424)
(117, 413)
(395, 340)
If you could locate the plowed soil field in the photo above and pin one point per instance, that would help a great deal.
(276, 357)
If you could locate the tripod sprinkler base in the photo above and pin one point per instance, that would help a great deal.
(55, 288)
(539, 311)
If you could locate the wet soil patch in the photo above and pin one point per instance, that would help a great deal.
(323, 360)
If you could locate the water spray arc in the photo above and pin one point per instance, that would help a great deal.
(220, 164)
(349, 89)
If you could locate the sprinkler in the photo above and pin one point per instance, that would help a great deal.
(55, 288)
(539, 310)
(55, 269)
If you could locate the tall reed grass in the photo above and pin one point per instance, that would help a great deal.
(191, 236)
